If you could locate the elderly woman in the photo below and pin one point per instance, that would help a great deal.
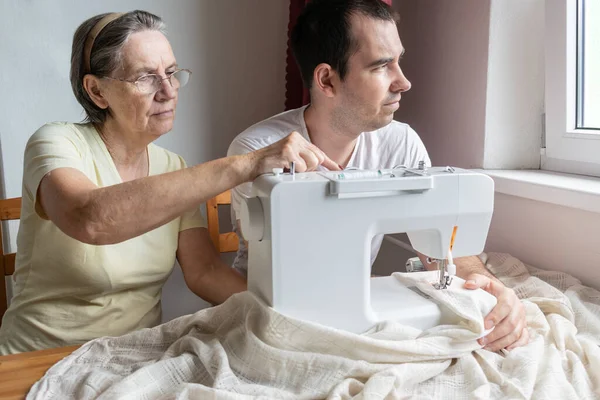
(105, 211)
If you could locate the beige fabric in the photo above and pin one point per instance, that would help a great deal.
(69, 292)
(242, 349)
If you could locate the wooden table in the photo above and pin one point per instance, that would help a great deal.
(18, 372)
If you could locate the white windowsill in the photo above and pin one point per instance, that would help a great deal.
(569, 190)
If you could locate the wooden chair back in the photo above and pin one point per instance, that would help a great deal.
(10, 209)
(224, 242)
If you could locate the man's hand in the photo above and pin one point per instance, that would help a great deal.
(294, 148)
(508, 316)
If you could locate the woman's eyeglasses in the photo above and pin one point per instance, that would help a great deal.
(151, 83)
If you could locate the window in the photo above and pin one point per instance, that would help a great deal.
(588, 65)
(572, 87)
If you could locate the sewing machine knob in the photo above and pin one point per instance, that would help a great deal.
(252, 219)
(277, 171)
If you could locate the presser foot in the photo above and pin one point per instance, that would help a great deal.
(444, 282)
(445, 277)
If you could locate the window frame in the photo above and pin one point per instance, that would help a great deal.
(567, 149)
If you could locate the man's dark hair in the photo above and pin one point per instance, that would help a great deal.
(322, 33)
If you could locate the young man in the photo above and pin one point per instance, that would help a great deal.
(348, 52)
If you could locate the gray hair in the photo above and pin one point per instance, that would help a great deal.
(106, 55)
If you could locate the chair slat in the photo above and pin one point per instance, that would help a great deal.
(224, 198)
(10, 209)
(228, 242)
(223, 242)
(9, 264)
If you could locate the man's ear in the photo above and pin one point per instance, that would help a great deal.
(325, 79)
(91, 84)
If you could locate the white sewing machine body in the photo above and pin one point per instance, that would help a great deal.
(310, 237)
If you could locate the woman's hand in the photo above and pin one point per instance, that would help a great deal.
(292, 148)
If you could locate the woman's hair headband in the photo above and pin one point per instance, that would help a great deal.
(91, 37)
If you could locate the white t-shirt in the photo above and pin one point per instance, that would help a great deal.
(393, 145)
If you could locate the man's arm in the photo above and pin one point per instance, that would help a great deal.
(203, 270)
(508, 317)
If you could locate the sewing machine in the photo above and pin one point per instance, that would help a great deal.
(310, 237)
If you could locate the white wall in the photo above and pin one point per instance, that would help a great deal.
(515, 85)
(236, 50)
(446, 60)
(477, 69)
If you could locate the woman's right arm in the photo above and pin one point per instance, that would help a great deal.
(117, 213)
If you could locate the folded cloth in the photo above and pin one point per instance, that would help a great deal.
(243, 349)
(462, 308)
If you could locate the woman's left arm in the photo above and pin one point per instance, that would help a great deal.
(203, 270)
